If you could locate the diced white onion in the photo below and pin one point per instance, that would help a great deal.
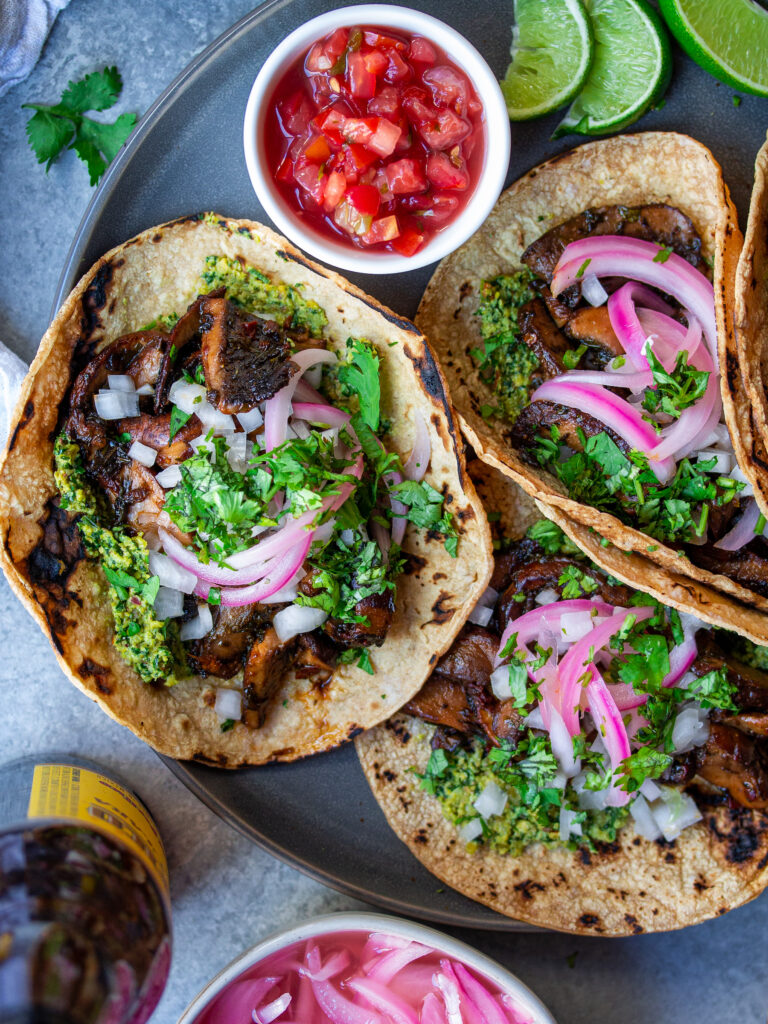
(576, 625)
(142, 453)
(187, 396)
(169, 477)
(201, 441)
(491, 801)
(535, 719)
(198, 627)
(593, 291)
(723, 460)
(314, 375)
(212, 419)
(237, 451)
(547, 596)
(562, 743)
(718, 438)
(500, 681)
(250, 420)
(120, 382)
(145, 389)
(645, 823)
(170, 574)
(228, 704)
(297, 619)
(691, 729)
(116, 405)
(347, 537)
(650, 790)
(481, 615)
(300, 429)
(332, 434)
(567, 825)
(593, 799)
(169, 604)
(489, 597)
(325, 531)
(674, 812)
(559, 780)
(598, 746)
(470, 830)
(736, 474)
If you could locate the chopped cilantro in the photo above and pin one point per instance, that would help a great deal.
(582, 268)
(676, 390)
(572, 357)
(663, 254)
(178, 419)
(358, 374)
(227, 724)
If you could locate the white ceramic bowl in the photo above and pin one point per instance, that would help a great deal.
(497, 139)
(526, 1002)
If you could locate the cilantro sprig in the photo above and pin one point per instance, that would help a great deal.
(63, 125)
(674, 390)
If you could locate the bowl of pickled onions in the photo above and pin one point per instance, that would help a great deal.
(361, 968)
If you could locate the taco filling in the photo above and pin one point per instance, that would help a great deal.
(601, 350)
(571, 703)
(230, 473)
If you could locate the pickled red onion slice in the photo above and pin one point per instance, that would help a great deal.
(625, 321)
(416, 464)
(315, 412)
(579, 660)
(530, 625)
(277, 408)
(283, 571)
(611, 728)
(610, 409)
(744, 531)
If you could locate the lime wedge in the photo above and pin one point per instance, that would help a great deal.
(630, 72)
(728, 38)
(551, 56)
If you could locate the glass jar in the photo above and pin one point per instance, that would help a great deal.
(85, 925)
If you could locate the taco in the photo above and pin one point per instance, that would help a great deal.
(748, 363)
(234, 497)
(581, 330)
(584, 757)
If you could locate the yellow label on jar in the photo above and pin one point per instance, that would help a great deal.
(83, 796)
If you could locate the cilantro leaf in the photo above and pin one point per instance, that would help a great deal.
(48, 135)
(178, 419)
(53, 128)
(107, 138)
(676, 390)
(97, 91)
(359, 375)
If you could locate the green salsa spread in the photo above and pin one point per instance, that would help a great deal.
(253, 290)
(142, 639)
(505, 362)
(532, 811)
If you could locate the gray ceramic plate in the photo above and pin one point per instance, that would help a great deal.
(185, 156)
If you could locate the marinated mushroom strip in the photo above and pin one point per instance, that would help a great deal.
(183, 348)
(316, 658)
(751, 684)
(555, 574)
(592, 327)
(748, 565)
(245, 361)
(155, 432)
(222, 651)
(737, 763)
(268, 661)
(544, 338)
(539, 417)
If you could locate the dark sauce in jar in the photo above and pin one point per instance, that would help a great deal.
(85, 932)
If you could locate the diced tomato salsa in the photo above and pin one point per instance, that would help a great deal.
(376, 137)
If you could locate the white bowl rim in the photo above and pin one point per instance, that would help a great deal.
(359, 920)
(497, 139)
